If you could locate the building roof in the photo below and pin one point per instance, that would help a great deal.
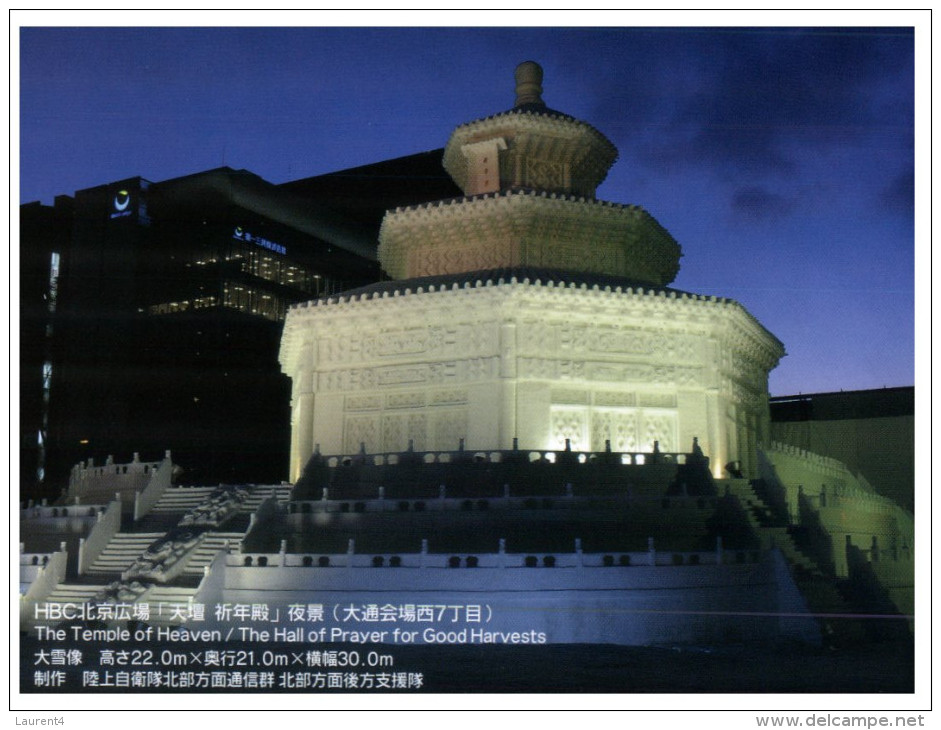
(251, 192)
(368, 191)
(844, 405)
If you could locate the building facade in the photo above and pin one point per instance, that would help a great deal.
(151, 314)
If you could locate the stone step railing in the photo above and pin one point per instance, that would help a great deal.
(577, 558)
(443, 503)
(214, 543)
(496, 456)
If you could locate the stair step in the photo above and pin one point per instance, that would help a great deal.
(776, 535)
(122, 550)
(182, 499)
(170, 594)
(65, 593)
(212, 545)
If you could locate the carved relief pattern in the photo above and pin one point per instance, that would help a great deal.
(537, 368)
(688, 376)
(658, 400)
(569, 423)
(443, 397)
(454, 257)
(670, 347)
(417, 425)
(574, 369)
(533, 336)
(405, 400)
(683, 348)
(741, 395)
(480, 339)
(329, 380)
(411, 342)
(575, 337)
(398, 375)
(662, 428)
(393, 433)
(420, 373)
(544, 174)
(331, 349)
(450, 427)
(361, 430)
(745, 371)
(634, 343)
(426, 342)
(649, 250)
(363, 403)
(560, 395)
(618, 427)
(544, 368)
(397, 430)
(629, 373)
(614, 398)
(479, 369)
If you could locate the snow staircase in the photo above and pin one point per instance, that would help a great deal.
(182, 499)
(836, 616)
(170, 594)
(771, 536)
(213, 543)
(73, 593)
(262, 492)
(121, 552)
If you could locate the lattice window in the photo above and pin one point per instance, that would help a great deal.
(618, 427)
(661, 428)
(572, 424)
(361, 430)
(545, 174)
(450, 428)
(398, 429)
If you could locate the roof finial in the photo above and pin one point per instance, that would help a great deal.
(529, 84)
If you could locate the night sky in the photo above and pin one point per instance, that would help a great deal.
(782, 160)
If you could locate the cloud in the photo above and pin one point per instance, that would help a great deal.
(758, 204)
(748, 101)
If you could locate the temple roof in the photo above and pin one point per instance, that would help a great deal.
(540, 110)
(521, 274)
(529, 145)
(614, 291)
(525, 227)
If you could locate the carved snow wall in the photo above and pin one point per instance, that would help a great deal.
(540, 361)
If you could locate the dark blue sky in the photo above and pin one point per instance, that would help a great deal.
(781, 159)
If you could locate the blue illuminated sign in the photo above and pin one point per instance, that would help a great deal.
(240, 234)
(121, 205)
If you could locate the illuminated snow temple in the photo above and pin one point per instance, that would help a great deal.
(526, 418)
(527, 310)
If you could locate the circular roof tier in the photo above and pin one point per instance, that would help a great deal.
(529, 146)
(527, 228)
